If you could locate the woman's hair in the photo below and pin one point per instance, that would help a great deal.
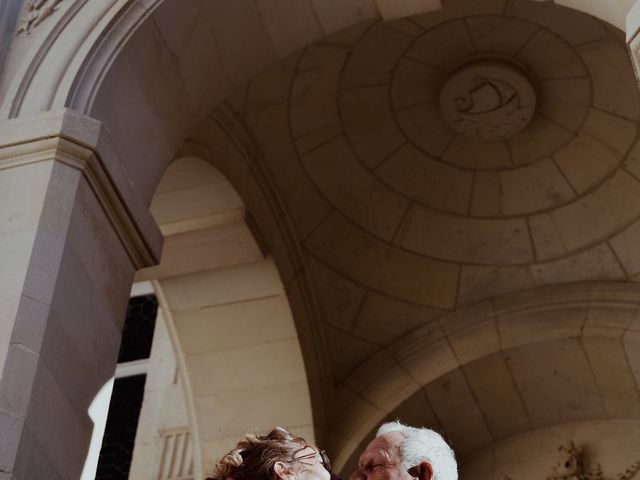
(254, 457)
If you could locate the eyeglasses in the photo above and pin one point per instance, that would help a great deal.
(310, 460)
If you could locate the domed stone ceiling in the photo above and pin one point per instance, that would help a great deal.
(443, 193)
(435, 161)
(454, 208)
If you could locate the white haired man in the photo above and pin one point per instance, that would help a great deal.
(400, 452)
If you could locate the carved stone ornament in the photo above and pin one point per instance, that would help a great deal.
(574, 465)
(37, 12)
(488, 100)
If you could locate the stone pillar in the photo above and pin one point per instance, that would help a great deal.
(71, 238)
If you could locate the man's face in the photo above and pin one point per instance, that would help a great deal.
(382, 460)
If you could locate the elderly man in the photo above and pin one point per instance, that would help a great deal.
(400, 452)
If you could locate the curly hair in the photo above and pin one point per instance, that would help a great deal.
(254, 457)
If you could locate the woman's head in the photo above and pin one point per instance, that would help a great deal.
(278, 455)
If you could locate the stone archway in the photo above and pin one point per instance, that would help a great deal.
(237, 346)
(80, 58)
(504, 367)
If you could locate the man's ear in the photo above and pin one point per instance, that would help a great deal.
(282, 470)
(425, 471)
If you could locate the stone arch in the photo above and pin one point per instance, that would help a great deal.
(222, 141)
(227, 313)
(538, 322)
(82, 61)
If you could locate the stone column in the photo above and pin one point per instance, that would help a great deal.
(71, 237)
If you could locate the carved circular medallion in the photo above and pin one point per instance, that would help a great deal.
(488, 100)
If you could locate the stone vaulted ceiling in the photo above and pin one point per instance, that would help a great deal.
(434, 162)
(398, 212)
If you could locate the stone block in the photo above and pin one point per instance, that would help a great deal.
(609, 62)
(468, 240)
(374, 57)
(560, 367)
(155, 72)
(233, 325)
(472, 332)
(598, 214)
(443, 45)
(546, 238)
(533, 187)
(474, 154)
(372, 263)
(369, 124)
(414, 82)
(205, 249)
(453, 9)
(453, 403)
(291, 24)
(205, 83)
(304, 206)
(425, 353)
(382, 382)
(424, 125)
(571, 24)
(586, 162)
(17, 382)
(346, 351)
(625, 246)
(231, 413)
(47, 397)
(613, 376)
(549, 57)
(23, 191)
(504, 35)
(242, 38)
(341, 298)
(277, 362)
(631, 343)
(336, 16)
(273, 85)
(318, 72)
(565, 100)
(479, 282)
(597, 263)
(486, 200)
(522, 326)
(497, 396)
(35, 462)
(613, 130)
(222, 286)
(373, 321)
(353, 190)
(208, 199)
(17, 246)
(427, 180)
(540, 139)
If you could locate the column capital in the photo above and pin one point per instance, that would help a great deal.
(80, 142)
